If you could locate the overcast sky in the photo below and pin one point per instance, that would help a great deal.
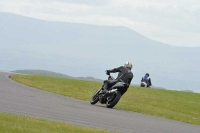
(175, 22)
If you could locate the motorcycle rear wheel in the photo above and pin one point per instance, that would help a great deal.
(95, 97)
(112, 102)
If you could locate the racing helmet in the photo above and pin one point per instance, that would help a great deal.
(128, 65)
(147, 74)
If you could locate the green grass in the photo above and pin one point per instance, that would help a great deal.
(176, 105)
(10, 123)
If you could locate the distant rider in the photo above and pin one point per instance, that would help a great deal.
(125, 75)
(147, 80)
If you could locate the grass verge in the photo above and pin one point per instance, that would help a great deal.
(24, 124)
(176, 105)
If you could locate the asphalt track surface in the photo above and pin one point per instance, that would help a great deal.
(23, 100)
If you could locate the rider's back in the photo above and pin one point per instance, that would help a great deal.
(124, 74)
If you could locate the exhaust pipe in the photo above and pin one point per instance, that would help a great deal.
(111, 91)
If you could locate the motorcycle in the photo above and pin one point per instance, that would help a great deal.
(112, 97)
(143, 84)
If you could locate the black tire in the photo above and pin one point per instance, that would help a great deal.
(95, 97)
(111, 103)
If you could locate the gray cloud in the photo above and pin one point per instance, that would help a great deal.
(170, 16)
(86, 2)
(169, 21)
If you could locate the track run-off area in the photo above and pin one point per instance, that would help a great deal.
(20, 99)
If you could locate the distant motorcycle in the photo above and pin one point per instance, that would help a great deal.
(143, 84)
(112, 97)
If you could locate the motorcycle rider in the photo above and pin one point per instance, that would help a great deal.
(124, 75)
(146, 79)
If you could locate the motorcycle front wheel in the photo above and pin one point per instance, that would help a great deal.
(95, 97)
(113, 99)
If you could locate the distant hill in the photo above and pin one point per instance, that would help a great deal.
(83, 50)
(59, 75)
(54, 74)
(188, 90)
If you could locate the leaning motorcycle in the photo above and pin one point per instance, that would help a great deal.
(112, 97)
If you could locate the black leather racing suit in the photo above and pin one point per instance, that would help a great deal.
(125, 75)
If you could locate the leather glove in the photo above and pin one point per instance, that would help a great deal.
(107, 72)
